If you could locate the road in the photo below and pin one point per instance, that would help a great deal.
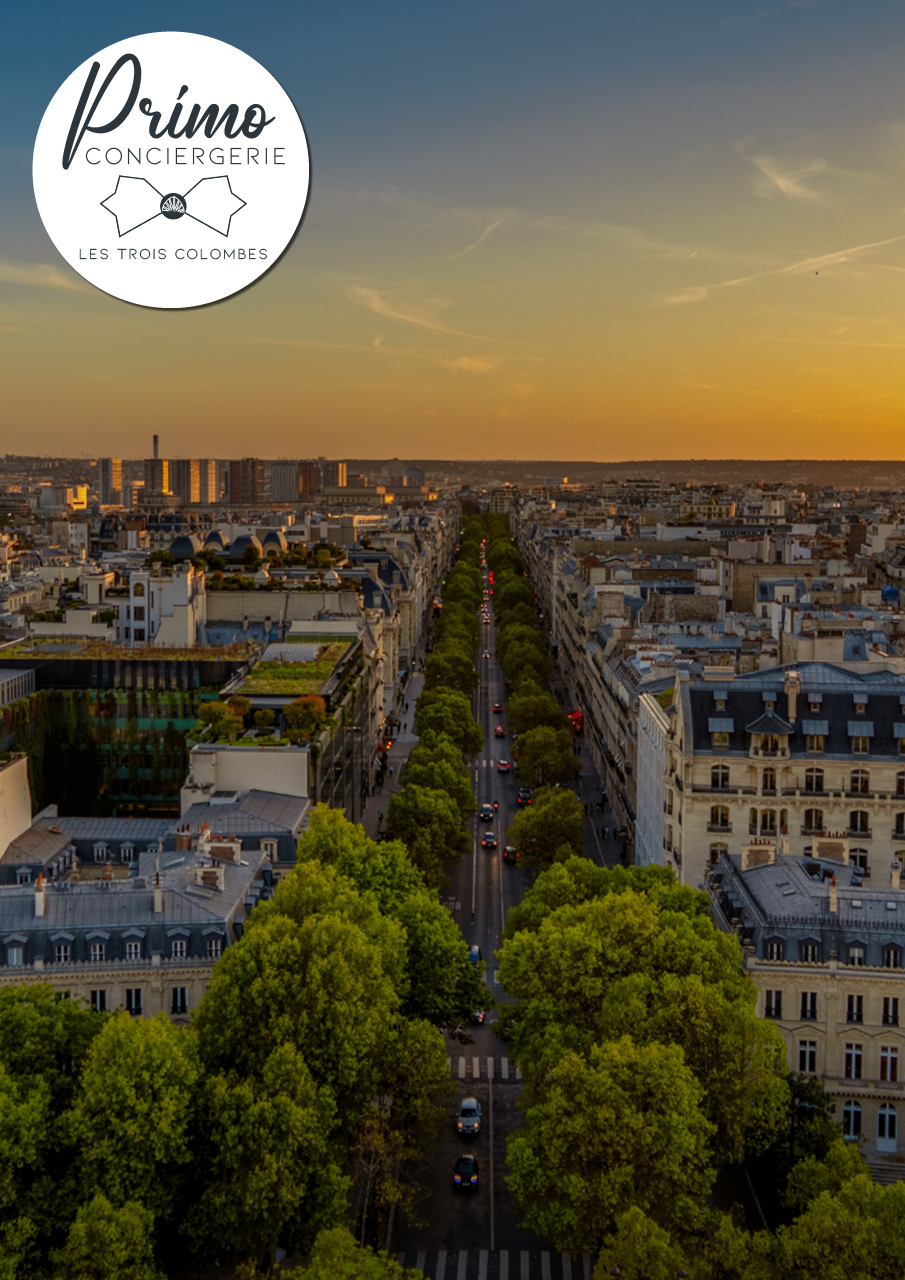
(477, 1237)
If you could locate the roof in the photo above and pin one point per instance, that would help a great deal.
(38, 844)
(769, 722)
(261, 813)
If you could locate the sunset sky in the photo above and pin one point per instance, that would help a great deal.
(538, 230)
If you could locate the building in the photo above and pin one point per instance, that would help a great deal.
(826, 951)
(110, 481)
(653, 828)
(185, 480)
(246, 482)
(157, 476)
(208, 481)
(334, 475)
(311, 480)
(811, 755)
(284, 482)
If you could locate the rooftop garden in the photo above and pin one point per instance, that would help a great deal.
(75, 647)
(295, 679)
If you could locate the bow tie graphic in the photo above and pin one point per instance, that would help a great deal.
(135, 201)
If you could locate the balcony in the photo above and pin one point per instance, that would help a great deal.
(720, 829)
(812, 831)
(852, 834)
(897, 835)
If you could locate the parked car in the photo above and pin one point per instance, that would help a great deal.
(465, 1174)
(468, 1121)
(485, 813)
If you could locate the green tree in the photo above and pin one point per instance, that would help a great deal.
(532, 710)
(223, 720)
(545, 756)
(133, 1114)
(269, 1167)
(522, 657)
(108, 1243)
(620, 1128)
(452, 669)
(860, 1232)
(264, 718)
(549, 829)
(305, 717)
(437, 763)
(429, 824)
(519, 633)
(336, 1256)
(448, 711)
(640, 1249)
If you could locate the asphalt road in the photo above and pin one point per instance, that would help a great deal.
(463, 1235)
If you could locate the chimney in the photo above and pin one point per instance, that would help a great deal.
(158, 890)
(793, 689)
(834, 897)
(39, 895)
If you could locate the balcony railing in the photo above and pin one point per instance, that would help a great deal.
(722, 828)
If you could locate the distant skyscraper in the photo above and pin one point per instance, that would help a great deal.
(208, 481)
(110, 480)
(284, 482)
(184, 479)
(334, 474)
(246, 481)
(157, 475)
(310, 480)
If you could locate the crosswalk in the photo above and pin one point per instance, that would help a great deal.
(504, 1264)
(476, 1068)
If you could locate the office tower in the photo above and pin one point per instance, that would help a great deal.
(284, 482)
(185, 480)
(110, 480)
(333, 474)
(208, 481)
(157, 474)
(246, 481)
(311, 480)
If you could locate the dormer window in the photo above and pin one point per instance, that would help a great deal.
(814, 706)
(768, 706)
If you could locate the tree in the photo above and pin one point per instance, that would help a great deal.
(451, 668)
(437, 763)
(264, 718)
(620, 1128)
(133, 1113)
(639, 1249)
(531, 710)
(545, 756)
(519, 633)
(269, 1168)
(522, 656)
(429, 824)
(448, 711)
(305, 717)
(44, 1037)
(240, 705)
(336, 1256)
(511, 592)
(860, 1231)
(549, 829)
(108, 1243)
(223, 720)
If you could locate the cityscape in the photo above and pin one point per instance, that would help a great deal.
(448, 878)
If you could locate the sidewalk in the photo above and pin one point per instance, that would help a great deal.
(397, 756)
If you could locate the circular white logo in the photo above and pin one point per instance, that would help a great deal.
(171, 170)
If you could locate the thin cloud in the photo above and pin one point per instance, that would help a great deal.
(697, 293)
(40, 275)
(471, 364)
(791, 183)
(480, 240)
(425, 315)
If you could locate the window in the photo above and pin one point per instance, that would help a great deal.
(808, 1005)
(133, 1001)
(98, 952)
(63, 952)
(854, 1009)
(856, 955)
(892, 958)
(858, 858)
(752, 822)
(15, 955)
(774, 950)
(214, 948)
(769, 744)
(813, 819)
(720, 740)
(861, 707)
(133, 950)
(139, 633)
(179, 948)
(772, 1004)
(900, 778)
(138, 589)
(890, 1011)
(179, 1002)
(138, 613)
(100, 853)
(809, 952)
(768, 780)
(99, 1001)
(269, 844)
(768, 822)
(887, 1123)
(860, 782)
(851, 1120)
(900, 824)
(889, 1063)
(719, 777)
(815, 744)
(807, 1055)
(813, 780)
(669, 838)
(854, 1058)
(719, 817)
(860, 746)
(814, 707)
(23, 877)
(716, 850)
(859, 822)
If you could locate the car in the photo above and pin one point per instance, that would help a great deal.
(489, 841)
(510, 853)
(486, 653)
(498, 708)
(468, 1121)
(479, 1015)
(465, 1174)
(503, 766)
(499, 732)
(485, 813)
(475, 954)
(524, 796)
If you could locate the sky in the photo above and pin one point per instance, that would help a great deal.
(602, 231)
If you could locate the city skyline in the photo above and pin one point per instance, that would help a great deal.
(570, 234)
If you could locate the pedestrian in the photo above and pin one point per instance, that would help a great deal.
(606, 830)
(391, 771)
